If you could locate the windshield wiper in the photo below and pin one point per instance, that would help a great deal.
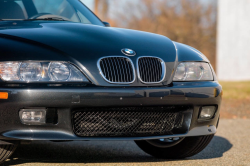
(47, 19)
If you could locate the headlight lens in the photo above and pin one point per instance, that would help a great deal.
(193, 71)
(40, 72)
(30, 71)
(59, 71)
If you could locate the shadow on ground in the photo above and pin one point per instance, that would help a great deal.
(100, 152)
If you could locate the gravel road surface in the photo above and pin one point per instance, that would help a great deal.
(230, 146)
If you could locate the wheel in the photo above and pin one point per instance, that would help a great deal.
(175, 148)
(6, 151)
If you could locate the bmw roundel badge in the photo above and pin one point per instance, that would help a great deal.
(128, 52)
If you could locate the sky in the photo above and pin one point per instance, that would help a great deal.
(89, 3)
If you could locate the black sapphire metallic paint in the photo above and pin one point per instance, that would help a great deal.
(83, 45)
(195, 94)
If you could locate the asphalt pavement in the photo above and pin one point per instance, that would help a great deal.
(230, 146)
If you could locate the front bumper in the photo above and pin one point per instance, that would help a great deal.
(64, 99)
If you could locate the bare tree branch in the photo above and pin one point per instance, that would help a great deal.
(186, 21)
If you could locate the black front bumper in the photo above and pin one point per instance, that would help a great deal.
(66, 99)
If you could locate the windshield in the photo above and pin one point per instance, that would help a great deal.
(61, 10)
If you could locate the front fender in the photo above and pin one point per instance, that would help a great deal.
(187, 53)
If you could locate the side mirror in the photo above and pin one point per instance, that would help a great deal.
(106, 24)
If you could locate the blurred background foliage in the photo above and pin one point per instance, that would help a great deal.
(192, 22)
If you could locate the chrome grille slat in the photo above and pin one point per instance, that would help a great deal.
(156, 72)
(159, 68)
(130, 71)
(127, 67)
(127, 77)
(123, 73)
(118, 69)
(105, 69)
(108, 72)
(154, 77)
(151, 69)
(146, 73)
(113, 70)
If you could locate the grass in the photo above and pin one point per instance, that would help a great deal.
(235, 100)
(236, 90)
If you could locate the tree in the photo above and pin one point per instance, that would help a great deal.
(102, 9)
(186, 21)
(96, 10)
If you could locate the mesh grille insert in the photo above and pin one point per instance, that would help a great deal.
(117, 69)
(151, 69)
(127, 122)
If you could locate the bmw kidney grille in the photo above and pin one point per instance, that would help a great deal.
(117, 70)
(120, 70)
(151, 69)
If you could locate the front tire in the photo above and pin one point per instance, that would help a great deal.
(6, 151)
(188, 147)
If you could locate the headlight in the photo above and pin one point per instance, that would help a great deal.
(40, 72)
(30, 71)
(193, 71)
(59, 71)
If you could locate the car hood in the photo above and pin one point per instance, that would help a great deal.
(81, 44)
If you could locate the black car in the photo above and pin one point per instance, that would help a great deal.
(68, 76)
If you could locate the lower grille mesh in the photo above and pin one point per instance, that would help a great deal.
(127, 122)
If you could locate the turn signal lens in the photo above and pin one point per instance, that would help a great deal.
(4, 95)
(9, 71)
